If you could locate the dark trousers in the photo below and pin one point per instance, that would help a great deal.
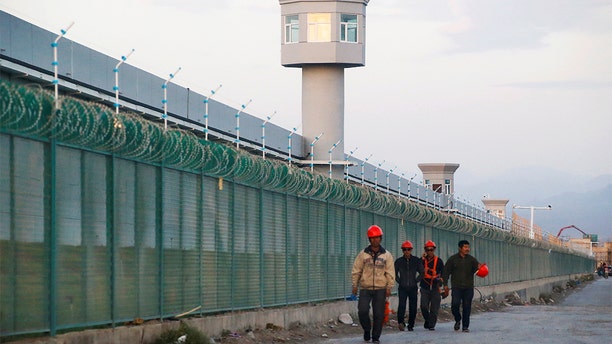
(430, 305)
(409, 294)
(462, 297)
(377, 298)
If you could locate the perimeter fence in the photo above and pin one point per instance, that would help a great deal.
(105, 218)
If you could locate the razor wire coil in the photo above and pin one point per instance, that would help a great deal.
(94, 126)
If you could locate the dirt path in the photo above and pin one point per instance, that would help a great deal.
(336, 332)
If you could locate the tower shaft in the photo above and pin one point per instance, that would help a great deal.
(323, 112)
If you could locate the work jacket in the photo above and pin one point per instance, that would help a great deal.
(461, 271)
(406, 271)
(373, 270)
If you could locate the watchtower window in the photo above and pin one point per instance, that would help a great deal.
(348, 28)
(319, 27)
(292, 29)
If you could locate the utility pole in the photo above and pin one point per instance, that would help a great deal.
(532, 208)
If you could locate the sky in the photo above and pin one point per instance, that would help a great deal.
(493, 85)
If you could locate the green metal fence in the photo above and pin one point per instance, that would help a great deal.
(105, 218)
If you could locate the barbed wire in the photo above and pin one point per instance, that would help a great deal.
(90, 125)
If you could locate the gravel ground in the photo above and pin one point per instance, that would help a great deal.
(491, 321)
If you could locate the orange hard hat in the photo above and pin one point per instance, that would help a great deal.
(407, 244)
(374, 231)
(483, 271)
(430, 243)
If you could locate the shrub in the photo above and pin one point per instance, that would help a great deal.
(192, 336)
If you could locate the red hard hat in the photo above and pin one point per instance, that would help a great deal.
(430, 243)
(483, 271)
(407, 244)
(374, 231)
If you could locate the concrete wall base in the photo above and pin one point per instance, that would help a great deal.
(285, 317)
(525, 289)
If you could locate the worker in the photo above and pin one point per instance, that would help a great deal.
(373, 275)
(430, 285)
(406, 269)
(461, 267)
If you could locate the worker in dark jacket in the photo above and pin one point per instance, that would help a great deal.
(460, 268)
(406, 269)
(430, 286)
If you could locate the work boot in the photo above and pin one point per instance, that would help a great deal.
(466, 329)
(410, 328)
(457, 324)
(366, 336)
(401, 326)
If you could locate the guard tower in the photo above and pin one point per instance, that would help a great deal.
(439, 177)
(323, 37)
(496, 207)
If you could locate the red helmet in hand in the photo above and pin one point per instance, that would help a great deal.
(482, 271)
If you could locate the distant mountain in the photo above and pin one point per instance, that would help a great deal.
(590, 211)
(576, 200)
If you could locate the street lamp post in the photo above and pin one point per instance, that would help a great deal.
(531, 208)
